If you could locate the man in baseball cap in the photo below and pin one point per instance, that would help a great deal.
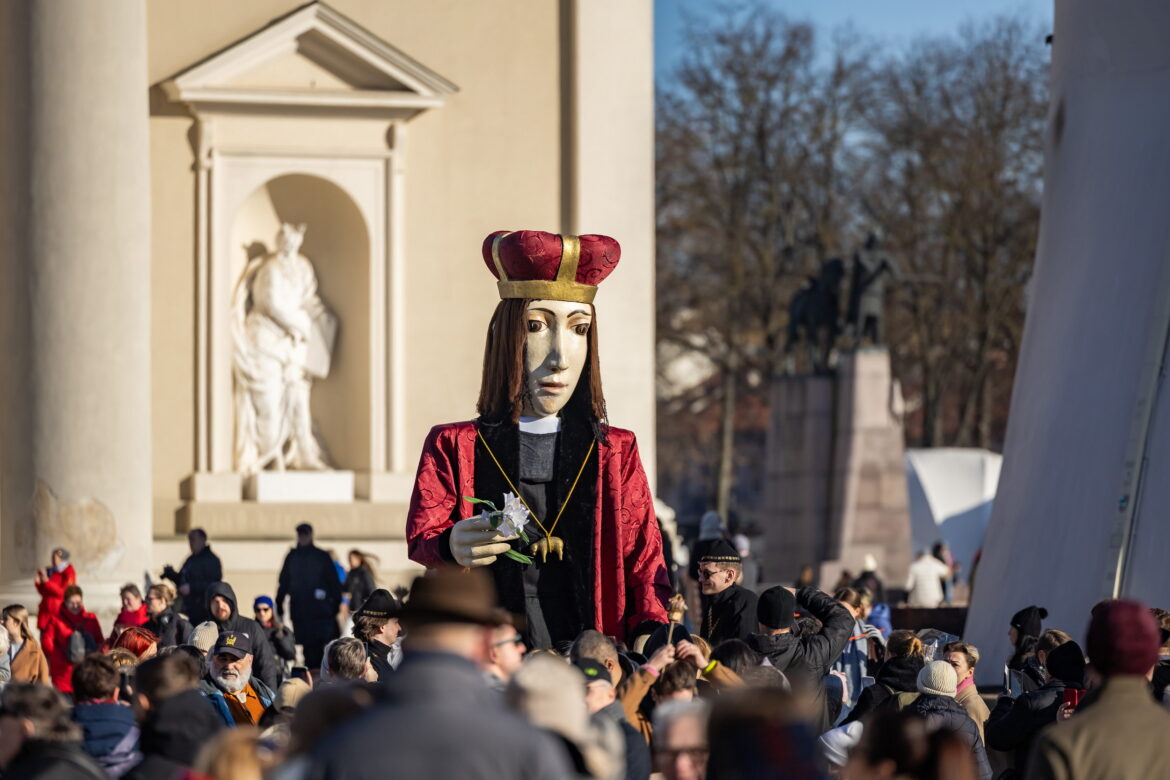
(239, 698)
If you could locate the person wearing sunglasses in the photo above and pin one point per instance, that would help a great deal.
(504, 657)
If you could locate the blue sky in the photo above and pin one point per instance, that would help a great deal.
(894, 22)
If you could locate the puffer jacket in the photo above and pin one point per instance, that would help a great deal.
(110, 735)
(263, 663)
(896, 675)
(805, 660)
(943, 712)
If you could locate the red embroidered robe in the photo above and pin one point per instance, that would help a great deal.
(630, 582)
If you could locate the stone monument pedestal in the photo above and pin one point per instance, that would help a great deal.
(836, 478)
(300, 487)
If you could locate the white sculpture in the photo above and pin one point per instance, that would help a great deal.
(283, 337)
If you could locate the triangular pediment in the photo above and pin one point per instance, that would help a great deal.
(313, 59)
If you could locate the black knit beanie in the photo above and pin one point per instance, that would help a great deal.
(776, 608)
(1028, 621)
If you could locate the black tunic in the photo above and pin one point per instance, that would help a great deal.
(729, 614)
(548, 586)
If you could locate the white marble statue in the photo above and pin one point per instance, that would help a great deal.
(282, 336)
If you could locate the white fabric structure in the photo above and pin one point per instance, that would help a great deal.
(951, 491)
(1080, 514)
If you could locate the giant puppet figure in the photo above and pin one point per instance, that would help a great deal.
(542, 434)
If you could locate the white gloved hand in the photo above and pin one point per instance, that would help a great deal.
(475, 543)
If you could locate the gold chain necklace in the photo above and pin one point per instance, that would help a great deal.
(550, 543)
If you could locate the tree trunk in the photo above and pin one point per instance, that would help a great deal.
(727, 440)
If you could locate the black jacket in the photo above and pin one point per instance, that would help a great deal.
(359, 584)
(170, 627)
(173, 734)
(638, 762)
(306, 571)
(380, 659)
(1014, 723)
(730, 614)
(282, 640)
(199, 571)
(263, 662)
(805, 660)
(896, 675)
(946, 713)
(54, 760)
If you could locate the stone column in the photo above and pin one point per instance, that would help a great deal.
(76, 415)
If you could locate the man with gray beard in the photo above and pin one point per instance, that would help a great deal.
(238, 697)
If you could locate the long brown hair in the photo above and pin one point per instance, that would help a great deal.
(501, 393)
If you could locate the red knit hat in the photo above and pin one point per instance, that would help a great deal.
(535, 264)
(1123, 638)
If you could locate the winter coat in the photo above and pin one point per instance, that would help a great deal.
(52, 592)
(307, 573)
(973, 704)
(200, 571)
(897, 675)
(924, 585)
(110, 735)
(263, 662)
(170, 627)
(215, 695)
(382, 659)
(53, 760)
(944, 712)
(805, 660)
(359, 584)
(173, 733)
(30, 664)
(1118, 733)
(1014, 724)
(55, 639)
(282, 640)
(853, 662)
(440, 721)
(729, 614)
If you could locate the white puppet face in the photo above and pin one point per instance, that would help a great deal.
(556, 348)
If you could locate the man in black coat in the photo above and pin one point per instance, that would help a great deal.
(729, 610)
(200, 569)
(805, 660)
(221, 603)
(1014, 724)
(310, 579)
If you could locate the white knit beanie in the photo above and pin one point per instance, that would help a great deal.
(938, 678)
(204, 636)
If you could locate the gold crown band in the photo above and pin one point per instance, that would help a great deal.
(548, 291)
(564, 288)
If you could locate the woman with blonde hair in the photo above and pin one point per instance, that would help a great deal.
(896, 680)
(29, 664)
(170, 627)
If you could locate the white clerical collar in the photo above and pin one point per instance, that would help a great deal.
(540, 424)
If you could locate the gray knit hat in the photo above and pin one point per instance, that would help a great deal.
(938, 678)
(204, 636)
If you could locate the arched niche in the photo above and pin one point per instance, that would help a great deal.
(337, 242)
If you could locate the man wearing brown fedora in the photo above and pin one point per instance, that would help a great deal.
(439, 719)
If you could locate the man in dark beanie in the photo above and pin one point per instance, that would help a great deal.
(729, 609)
(1118, 731)
(805, 660)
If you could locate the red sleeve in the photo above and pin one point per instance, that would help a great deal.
(49, 637)
(647, 582)
(435, 498)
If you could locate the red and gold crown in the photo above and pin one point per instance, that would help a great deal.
(535, 264)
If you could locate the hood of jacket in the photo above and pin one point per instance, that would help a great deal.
(111, 733)
(778, 647)
(931, 704)
(179, 727)
(900, 673)
(225, 590)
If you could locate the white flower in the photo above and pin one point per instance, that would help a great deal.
(515, 516)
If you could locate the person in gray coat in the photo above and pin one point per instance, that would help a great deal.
(439, 719)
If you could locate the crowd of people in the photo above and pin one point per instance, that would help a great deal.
(439, 682)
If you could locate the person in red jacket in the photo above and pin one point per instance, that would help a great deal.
(56, 637)
(51, 584)
(133, 615)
